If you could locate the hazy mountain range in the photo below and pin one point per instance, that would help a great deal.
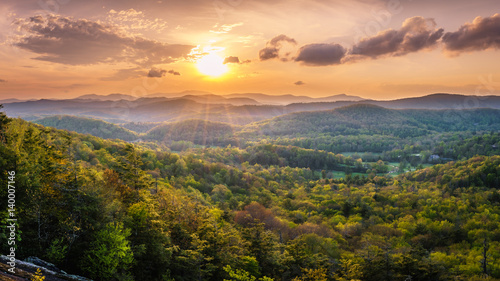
(355, 119)
(207, 97)
(234, 109)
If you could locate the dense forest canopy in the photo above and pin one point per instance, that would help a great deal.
(275, 203)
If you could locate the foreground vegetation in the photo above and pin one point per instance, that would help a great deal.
(111, 210)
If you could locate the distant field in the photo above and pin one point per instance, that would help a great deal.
(361, 154)
(340, 174)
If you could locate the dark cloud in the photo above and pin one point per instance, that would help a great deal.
(37, 19)
(82, 42)
(236, 60)
(415, 34)
(231, 60)
(173, 72)
(481, 34)
(321, 54)
(158, 72)
(268, 53)
(299, 83)
(3, 81)
(276, 41)
(272, 49)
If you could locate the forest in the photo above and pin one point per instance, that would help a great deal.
(275, 200)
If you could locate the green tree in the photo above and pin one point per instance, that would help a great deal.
(4, 120)
(131, 166)
(109, 255)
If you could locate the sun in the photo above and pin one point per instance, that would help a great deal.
(212, 65)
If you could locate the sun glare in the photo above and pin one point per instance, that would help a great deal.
(212, 65)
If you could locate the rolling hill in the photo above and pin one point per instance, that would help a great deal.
(288, 99)
(233, 110)
(93, 127)
(197, 131)
(371, 119)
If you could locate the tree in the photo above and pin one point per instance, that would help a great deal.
(4, 120)
(262, 246)
(318, 274)
(132, 173)
(109, 255)
(242, 275)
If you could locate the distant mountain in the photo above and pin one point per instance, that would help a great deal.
(288, 99)
(179, 94)
(434, 101)
(215, 99)
(12, 100)
(253, 98)
(242, 101)
(197, 131)
(93, 127)
(443, 101)
(356, 119)
(110, 97)
(340, 97)
(227, 109)
(367, 119)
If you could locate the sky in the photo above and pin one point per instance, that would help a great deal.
(378, 49)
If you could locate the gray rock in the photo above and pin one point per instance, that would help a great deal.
(42, 263)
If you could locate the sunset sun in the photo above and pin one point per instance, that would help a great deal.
(212, 65)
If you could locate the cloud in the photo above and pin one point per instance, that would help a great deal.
(481, 34)
(3, 81)
(225, 28)
(268, 53)
(299, 83)
(132, 20)
(273, 47)
(236, 60)
(231, 59)
(416, 33)
(173, 72)
(158, 72)
(276, 41)
(321, 54)
(83, 42)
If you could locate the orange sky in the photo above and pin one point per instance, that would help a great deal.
(381, 49)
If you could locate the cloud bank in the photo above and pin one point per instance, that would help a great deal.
(71, 41)
(481, 34)
(158, 72)
(231, 59)
(416, 34)
(321, 54)
(273, 47)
